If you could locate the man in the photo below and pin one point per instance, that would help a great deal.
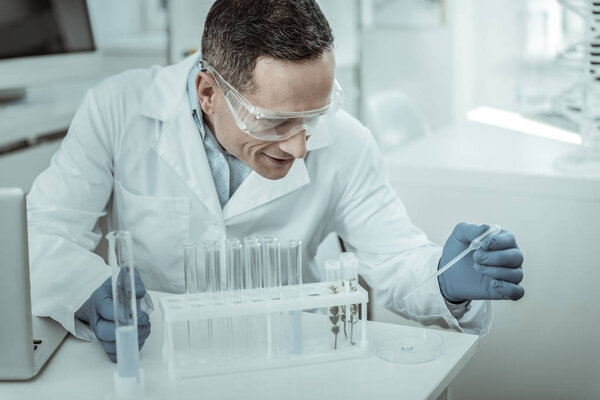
(245, 140)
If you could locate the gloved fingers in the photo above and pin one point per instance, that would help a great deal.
(104, 308)
(105, 330)
(101, 303)
(465, 233)
(109, 347)
(514, 275)
(147, 304)
(512, 257)
(112, 357)
(140, 288)
(503, 240)
(143, 318)
(502, 290)
(141, 342)
(143, 331)
(124, 286)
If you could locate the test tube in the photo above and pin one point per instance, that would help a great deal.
(234, 266)
(332, 272)
(273, 264)
(252, 266)
(212, 264)
(253, 280)
(190, 269)
(350, 283)
(272, 258)
(128, 376)
(294, 264)
(235, 326)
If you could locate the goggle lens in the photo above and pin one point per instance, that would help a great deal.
(272, 125)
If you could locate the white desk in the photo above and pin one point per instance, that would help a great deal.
(81, 370)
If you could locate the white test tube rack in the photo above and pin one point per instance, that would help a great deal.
(180, 310)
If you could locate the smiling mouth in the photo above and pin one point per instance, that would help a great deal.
(280, 161)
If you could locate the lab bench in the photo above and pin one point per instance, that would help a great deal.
(81, 369)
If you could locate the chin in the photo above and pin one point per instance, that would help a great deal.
(272, 173)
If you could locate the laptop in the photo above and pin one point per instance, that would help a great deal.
(26, 342)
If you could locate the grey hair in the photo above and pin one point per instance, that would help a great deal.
(238, 32)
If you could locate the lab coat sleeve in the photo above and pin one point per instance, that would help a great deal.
(373, 223)
(63, 207)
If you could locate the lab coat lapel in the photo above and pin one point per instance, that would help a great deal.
(178, 142)
(180, 145)
(256, 190)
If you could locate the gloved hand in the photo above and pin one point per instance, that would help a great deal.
(492, 272)
(102, 316)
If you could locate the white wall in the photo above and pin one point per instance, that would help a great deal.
(416, 60)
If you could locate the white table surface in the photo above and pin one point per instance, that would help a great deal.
(81, 370)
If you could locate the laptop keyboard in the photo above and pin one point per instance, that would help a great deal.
(35, 344)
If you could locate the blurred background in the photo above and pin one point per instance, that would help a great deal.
(485, 111)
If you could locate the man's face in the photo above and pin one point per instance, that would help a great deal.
(278, 86)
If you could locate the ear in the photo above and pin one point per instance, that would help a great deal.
(206, 88)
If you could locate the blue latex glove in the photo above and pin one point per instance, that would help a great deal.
(492, 272)
(102, 316)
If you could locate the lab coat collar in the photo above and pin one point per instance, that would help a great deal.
(257, 190)
(167, 90)
(180, 145)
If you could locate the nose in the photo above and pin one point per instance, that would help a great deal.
(295, 145)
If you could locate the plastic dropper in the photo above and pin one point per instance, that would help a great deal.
(475, 244)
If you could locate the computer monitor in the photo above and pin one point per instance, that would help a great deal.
(44, 41)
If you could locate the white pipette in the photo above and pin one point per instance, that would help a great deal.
(475, 244)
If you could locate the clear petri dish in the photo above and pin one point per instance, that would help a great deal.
(408, 345)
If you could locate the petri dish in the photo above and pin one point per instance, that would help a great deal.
(408, 345)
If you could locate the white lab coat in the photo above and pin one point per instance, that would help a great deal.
(133, 149)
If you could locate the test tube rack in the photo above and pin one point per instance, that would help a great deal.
(260, 324)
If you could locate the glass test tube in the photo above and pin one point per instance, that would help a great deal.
(235, 327)
(128, 377)
(253, 280)
(234, 266)
(212, 265)
(350, 283)
(294, 264)
(190, 269)
(252, 266)
(273, 265)
(272, 269)
(332, 273)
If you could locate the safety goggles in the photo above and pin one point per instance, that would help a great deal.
(270, 125)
